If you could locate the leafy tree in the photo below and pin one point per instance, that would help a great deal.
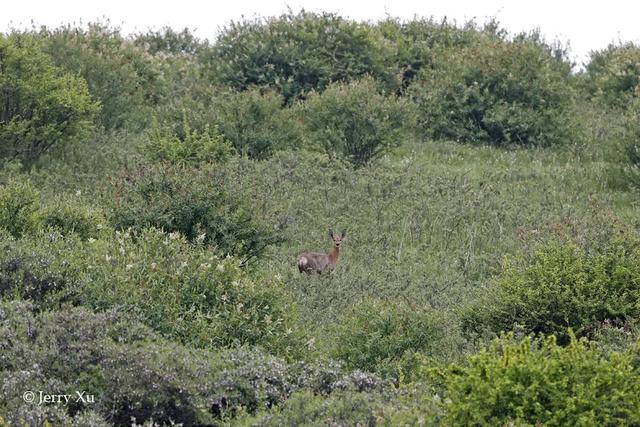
(41, 107)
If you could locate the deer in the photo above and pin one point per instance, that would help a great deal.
(315, 262)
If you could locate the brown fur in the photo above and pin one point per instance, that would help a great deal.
(315, 262)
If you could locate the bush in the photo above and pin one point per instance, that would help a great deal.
(356, 121)
(255, 122)
(68, 215)
(612, 74)
(376, 336)
(43, 107)
(415, 44)
(124, 78)
(252, 382)
(19, 205)
(339, 409)
(535, 381)
(193, 202)
(632, 139)
(195, 147)
(130, 372)
(294, 54)
(563, 287)
(185, 292)
(169, 41)
(495, 92)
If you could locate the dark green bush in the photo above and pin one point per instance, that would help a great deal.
(296, 53)
(19, 205)
(376, 335)
(207, 146)
(536, 381)
(416, 43)
(613, 74)
(169, 41)
(42, 107)
(495, 92)
(192, 202)
(356, 121)
(563, 287)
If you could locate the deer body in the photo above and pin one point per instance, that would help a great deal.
(315, 262)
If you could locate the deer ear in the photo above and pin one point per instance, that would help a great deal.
(344, 232)
(331, 233)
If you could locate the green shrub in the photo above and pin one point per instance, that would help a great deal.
(186, 292)
(495, 92)
(296, 53)
(415, 44)
(123, 77)
(376, 335)
(169, 41)
(563, 287)
(68, 215)
(255, 122)
(613, 74)
(536, 381)
(192, 202)
(40, 268)
(19, 205)
(42, 107)
(356, 121)
(195, 147)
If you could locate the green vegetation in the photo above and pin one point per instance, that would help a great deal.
(42, 106)
(155, 190)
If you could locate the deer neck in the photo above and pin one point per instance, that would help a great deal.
(334, 254)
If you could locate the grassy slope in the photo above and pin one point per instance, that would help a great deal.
(428, 225)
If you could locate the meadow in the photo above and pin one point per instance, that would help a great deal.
(157, 189)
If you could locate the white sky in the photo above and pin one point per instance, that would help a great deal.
(587, 25)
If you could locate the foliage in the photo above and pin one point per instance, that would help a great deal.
(193, 202)
(19, 203)
(124, 78)
(356, 121)
(376, 335)
(43, 107)
(169, 41)
(340, 408)
(255, 122)
(536, 381)
(415, 43)
(122, 364)
(632, 140)
(612, 74)
(296, 53)
(187, 293)
(562, 287)
(194, 147)
(69, 215)
(495, 92)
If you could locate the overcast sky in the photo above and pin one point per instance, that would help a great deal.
(587, 25)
